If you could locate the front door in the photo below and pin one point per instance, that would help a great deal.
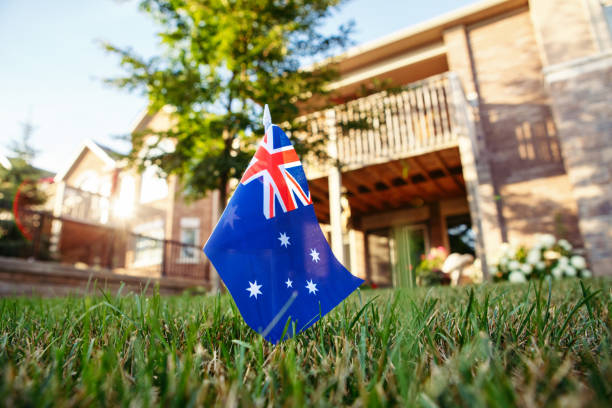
(410, 244)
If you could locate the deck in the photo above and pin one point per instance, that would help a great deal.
(390, 125)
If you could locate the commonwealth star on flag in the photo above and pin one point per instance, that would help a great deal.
(269, 249)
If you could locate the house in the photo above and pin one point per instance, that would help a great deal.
(498, 128)
(110, 215)
(502, 128)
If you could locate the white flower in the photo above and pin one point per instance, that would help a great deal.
(557, 272)
(570, 271)
(578, 262)
(517, 277)
(533, 256)
(551, 255)
(586, 273)
(504, 248)
(541, 265)
(503, 261)
(514, 265)
(563, 243)
(563, 262)
(526, 269)
(547, 240)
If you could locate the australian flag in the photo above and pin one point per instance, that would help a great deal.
(269, 249)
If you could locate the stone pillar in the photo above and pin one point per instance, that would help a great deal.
(563, 30)
(580, 93)
(477, 176)
(484, 209)
(335, 189)
(576, 48)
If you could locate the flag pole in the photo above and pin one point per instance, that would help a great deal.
(267, 118)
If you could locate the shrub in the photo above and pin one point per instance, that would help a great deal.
(548, 257)
(429, 272)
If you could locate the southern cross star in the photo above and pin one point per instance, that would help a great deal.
(289, 283)
(231, 216)
(284, 239)
(315, 255)
(254, 289)
(311, 286)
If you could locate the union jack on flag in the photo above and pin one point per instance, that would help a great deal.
(272, 163)
(277, 265)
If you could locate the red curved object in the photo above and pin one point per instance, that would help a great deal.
(16, 213)
(17, 207)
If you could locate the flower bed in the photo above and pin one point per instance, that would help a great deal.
(548, 257)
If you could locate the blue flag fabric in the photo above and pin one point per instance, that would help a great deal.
(269, 249)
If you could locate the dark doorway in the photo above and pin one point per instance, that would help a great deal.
(461, 237)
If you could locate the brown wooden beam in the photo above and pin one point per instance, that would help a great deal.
(447, 172)
(420, 167)
(353, 185)
(417, 189)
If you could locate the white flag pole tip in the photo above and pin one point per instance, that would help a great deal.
(267, 118)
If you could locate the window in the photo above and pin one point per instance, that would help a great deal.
(148, 243)
(124, 205)
(88, 181)
(379, 257)
(153, 186)
(190, 235)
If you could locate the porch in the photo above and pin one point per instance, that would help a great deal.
(403, 175)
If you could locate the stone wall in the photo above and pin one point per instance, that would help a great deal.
(22, 277)
(520, 135)
(581, 92)
(563, 29)
(500, 66)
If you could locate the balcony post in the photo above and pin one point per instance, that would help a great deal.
(56, 223)
(334, 178)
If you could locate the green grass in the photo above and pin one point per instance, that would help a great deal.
(493, 345)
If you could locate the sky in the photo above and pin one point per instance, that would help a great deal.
(52, 65)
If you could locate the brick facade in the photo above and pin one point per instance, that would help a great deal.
(586, 139)
(519, 132)
(537, 74)
(93, 241)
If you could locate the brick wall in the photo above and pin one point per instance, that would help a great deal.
(201, 209)
(563, 29)
(581, 95)
(501, 62)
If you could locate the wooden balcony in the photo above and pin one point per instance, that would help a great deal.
(97, 209)
(387, 126)
(393, 148)
(84, 206)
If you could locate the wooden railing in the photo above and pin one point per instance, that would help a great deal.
(93, 208)
(85, 206)
(388, 125)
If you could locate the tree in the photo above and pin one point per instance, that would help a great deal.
(20, 177)
(223, 60)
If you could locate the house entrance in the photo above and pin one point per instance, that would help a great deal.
(394, 253)
(410, 244)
